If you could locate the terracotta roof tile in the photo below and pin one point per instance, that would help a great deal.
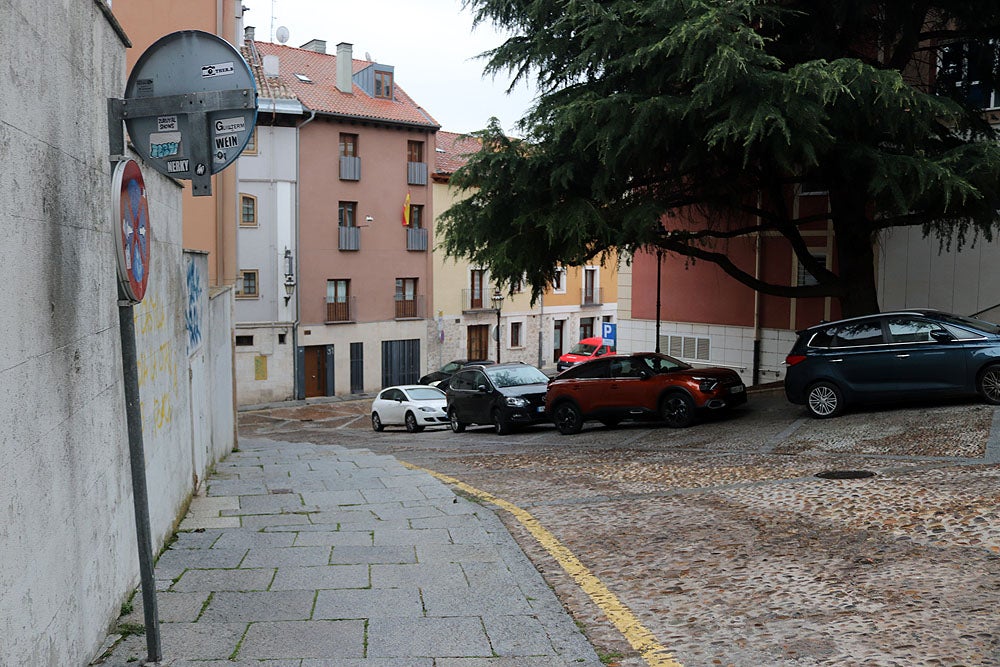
(453, 151)
(322, 95)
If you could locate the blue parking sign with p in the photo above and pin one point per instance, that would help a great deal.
(609, 332)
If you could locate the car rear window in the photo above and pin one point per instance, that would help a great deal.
(822, 338)
(853, 334)
(590, 369)
(857, 334)
(461, 380)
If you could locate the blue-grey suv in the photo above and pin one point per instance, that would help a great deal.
(891, 356)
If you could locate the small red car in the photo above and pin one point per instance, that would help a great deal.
(639, 386)
(585, 350)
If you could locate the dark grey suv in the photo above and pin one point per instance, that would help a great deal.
(503, 395)
(914, 354)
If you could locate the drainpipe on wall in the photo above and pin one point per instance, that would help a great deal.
(296, 370)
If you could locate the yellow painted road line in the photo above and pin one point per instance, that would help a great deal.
(637, 635)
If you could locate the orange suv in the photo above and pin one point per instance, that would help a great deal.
(637, 386)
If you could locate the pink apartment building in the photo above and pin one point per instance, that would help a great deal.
(360, 268)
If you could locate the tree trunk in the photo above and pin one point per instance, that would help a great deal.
(855, 251)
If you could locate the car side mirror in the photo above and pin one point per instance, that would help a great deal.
(645, 375)
(481, 388)
(942, 336)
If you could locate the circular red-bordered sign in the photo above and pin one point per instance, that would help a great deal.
(131, 216)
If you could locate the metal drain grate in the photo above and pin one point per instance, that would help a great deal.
(845, 474)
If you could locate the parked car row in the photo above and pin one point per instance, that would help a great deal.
(900, 355)
(610, 389)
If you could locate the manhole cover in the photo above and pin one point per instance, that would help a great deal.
(845, 474)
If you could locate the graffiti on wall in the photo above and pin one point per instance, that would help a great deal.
(193, 313)
(156, 365)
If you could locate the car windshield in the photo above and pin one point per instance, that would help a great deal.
(978, 325)
(515, 376)
(583, 348)
(426, 394)
(661, 363)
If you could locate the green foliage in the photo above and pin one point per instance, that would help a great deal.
(131, 629)
(652, 110)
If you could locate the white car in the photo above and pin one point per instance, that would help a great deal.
(412, 405)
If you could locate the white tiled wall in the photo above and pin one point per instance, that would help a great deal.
(730, 346)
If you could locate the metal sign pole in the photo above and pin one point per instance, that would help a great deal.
(137, 458)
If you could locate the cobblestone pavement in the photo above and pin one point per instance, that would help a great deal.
(723, 541)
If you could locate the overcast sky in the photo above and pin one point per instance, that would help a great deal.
(430, 43)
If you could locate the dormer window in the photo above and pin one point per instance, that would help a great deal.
(383, 84)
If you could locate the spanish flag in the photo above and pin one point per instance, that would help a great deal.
(406, 210)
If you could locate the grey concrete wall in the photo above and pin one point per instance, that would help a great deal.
(916, 272)
(67, 534)
(221, 373)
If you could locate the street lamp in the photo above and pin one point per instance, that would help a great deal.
(497, 299)
(289, 276)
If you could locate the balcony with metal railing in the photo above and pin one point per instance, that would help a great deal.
(593, 296)
(416, 173)
(350, 238)
(341, 310)
(416, 239)
(350, 168)
(477, 300)
(409, 309)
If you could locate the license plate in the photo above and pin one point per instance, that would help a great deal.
(738, 389)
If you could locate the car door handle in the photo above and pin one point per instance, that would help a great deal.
(902, 356)
(836, 361)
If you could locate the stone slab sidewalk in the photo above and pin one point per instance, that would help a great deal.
(304, 555)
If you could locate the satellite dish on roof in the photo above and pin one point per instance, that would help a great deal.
(281, 34)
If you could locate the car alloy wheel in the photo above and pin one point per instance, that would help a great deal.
(567, 418)
(377, 423)
(824, 400)
(677, 410)
(456, 426)
(989, 384)
(500, 425)
(411, 423)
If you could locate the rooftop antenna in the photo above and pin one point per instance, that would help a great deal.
(272, 20)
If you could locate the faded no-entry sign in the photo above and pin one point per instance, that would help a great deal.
(131, 216)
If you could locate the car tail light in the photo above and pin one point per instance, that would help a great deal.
(793, 359)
